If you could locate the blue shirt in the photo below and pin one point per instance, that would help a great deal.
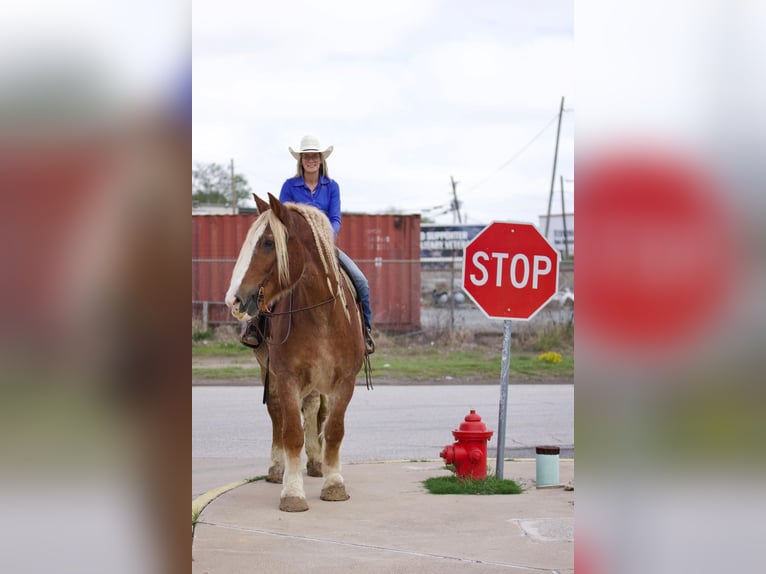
(326, 197)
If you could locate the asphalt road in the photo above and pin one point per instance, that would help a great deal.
(231, 431)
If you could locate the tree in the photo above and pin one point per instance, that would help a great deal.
(211, 184)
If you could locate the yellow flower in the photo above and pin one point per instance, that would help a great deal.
(549, 357)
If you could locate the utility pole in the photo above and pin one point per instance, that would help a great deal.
(455, 205)
(564, 220)
(456, 209)
(233, 191)
(553, 175)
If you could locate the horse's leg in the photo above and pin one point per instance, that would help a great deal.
(314, 413)
(293, 498)
(277, 468)
(334, 429)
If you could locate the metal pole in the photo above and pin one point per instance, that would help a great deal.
(456, 205)
(452, 299)
(504, 368)
(455, 210)
(553, 175)
(564, 220)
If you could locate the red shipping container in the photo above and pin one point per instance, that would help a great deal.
(386, 248)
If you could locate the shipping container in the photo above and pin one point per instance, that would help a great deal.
(386, 248)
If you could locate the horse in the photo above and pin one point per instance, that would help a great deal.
(288, 272)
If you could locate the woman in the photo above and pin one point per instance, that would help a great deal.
(312, 185)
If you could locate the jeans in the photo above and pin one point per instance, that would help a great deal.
(361, 284)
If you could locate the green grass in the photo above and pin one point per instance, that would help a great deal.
(207, 348)
(454, 485)
(226, 372)
(462, 363)
(415, 362)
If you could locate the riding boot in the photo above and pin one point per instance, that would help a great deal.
(369, 342)
(252, 332)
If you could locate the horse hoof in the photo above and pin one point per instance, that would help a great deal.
(314, 468)
(275, 475)
(334, 493)
(293, 504)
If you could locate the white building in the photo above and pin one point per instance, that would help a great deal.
(556, 234)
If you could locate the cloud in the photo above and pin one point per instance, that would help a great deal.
(499, 76)
(409, 95)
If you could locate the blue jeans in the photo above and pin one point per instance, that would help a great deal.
(361, 284)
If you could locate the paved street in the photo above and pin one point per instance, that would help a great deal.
(231, 431)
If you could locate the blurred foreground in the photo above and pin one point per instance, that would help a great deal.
(94, 157)
(670, 279)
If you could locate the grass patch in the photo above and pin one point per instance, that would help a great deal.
(195, 516)
(256, 478)
(415, 361)
(454, 485)
(201, 335)
(226, 373)
(463, 363)
(207, 348)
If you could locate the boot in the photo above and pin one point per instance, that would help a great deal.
(369, 342)
(252, 335)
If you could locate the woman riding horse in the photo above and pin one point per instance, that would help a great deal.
(288, 271)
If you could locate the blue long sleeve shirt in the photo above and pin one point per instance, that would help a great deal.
(326, 197)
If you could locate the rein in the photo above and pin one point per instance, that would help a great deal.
(291, 310)
(268, 315)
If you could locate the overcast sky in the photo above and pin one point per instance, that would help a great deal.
(408, 93)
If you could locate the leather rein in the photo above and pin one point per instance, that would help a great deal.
(267, 313)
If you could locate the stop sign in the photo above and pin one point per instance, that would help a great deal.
(510, 270)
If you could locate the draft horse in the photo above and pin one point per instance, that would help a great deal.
(288, 271)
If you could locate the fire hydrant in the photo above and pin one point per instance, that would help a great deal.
(469, 453)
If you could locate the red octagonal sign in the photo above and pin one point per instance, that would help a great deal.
(510, 270)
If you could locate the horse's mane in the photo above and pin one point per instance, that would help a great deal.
(324, 240)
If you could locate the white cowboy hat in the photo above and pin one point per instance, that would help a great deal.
(310, 144)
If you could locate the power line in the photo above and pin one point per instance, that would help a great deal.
(514, 156)
(435, 207)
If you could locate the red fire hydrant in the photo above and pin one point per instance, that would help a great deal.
(469, 453)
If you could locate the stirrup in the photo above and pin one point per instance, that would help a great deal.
(251, 336)
(369, 342)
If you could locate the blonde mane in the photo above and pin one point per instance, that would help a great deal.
(324, 240)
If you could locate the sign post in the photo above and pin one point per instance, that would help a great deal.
(510, 271)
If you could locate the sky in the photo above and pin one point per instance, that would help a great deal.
(410, 94)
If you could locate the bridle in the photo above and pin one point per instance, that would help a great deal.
(268, 314)
(263, 309)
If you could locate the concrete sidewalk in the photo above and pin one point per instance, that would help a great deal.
(390, 524)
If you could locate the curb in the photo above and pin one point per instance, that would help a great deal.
(199, 503)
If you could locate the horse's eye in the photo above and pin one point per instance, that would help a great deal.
(268, 243)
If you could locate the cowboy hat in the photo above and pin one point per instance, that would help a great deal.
(310, 144)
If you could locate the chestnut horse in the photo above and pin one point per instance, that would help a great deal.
(288, 271)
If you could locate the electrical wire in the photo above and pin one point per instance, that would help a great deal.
(514, 156)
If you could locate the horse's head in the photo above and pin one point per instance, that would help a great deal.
(264, 271)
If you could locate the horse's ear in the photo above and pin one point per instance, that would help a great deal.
(260, 204)
(276, 207)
